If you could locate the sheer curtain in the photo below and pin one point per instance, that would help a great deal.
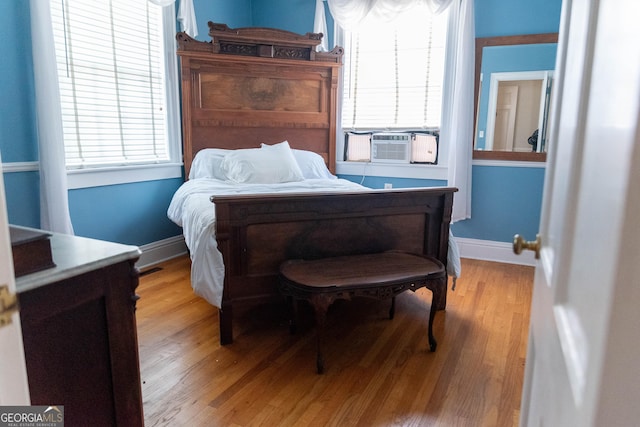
(348, 13)
(457, 115)
(54, 204)
(320, 26)
(187, 18)
(457, 112)
(186, 15)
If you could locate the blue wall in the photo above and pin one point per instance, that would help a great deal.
(505, 200)
(234, 13)
(512, 17)
(291, 15)
(17, 117)
(134, 213)
(23, 198)
(18, 141)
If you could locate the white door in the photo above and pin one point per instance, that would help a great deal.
(583, 361)
(14, 389)
(506, 109)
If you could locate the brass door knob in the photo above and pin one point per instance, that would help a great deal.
(519, 244)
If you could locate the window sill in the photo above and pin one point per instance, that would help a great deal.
(392, 170)
(508, 164)
(86, 178)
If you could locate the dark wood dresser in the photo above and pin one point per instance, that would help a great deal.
(79, 332)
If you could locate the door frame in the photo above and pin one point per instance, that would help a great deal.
(14, 386)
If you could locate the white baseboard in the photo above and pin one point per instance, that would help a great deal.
(488, 250)
(162, 250)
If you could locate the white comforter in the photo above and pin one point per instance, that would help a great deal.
(192, 209)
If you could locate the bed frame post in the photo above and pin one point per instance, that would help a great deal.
(225, 315)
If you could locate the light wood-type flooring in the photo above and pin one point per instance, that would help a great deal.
(379, 372)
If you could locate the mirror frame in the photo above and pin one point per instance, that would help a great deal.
(482, 42)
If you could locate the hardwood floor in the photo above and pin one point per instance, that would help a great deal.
(379, 372)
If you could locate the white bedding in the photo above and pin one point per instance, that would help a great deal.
(192, 209)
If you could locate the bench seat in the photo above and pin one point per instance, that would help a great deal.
(380, 275)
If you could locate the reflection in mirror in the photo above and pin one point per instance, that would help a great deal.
(517, 112)
(513, 90)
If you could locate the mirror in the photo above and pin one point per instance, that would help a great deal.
(513, 82)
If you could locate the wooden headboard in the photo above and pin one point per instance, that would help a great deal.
(258, 85)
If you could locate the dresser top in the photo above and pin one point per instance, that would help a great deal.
(75, 255)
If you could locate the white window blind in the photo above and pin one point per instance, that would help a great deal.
(393, 72)
(111, 69)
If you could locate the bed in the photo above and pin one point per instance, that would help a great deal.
(253, 98)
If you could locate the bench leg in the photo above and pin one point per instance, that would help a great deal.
(432, 315)
(320, 305)
(441, 302)
(292, 306)
(392, 310)
(225, 316)
(320, 319)
(438, 292)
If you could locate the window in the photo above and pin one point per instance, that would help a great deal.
(118, 87)
(393, 76)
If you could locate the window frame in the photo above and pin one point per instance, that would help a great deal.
(437, 171)
(88, 177)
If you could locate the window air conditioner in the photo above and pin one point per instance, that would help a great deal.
(391, 147)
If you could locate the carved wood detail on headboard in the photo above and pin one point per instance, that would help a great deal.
(253, 85)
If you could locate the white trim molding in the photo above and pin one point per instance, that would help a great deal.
(489, 250)
(509, 164)
(392, 170)
(96, 177)
(20, 167)
(160, 251)
(85, 178)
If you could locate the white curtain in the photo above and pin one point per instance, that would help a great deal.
(186, 15)
(349, 13)
(320, 26)
(54, 201)
(187, 18)
(457, 114)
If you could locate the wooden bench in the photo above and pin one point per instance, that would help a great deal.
(381, 275)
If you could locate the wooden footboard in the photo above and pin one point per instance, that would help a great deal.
(256, 233)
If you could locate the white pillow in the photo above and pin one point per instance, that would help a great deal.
(258, 166)
(311, 164)
(207, 164)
